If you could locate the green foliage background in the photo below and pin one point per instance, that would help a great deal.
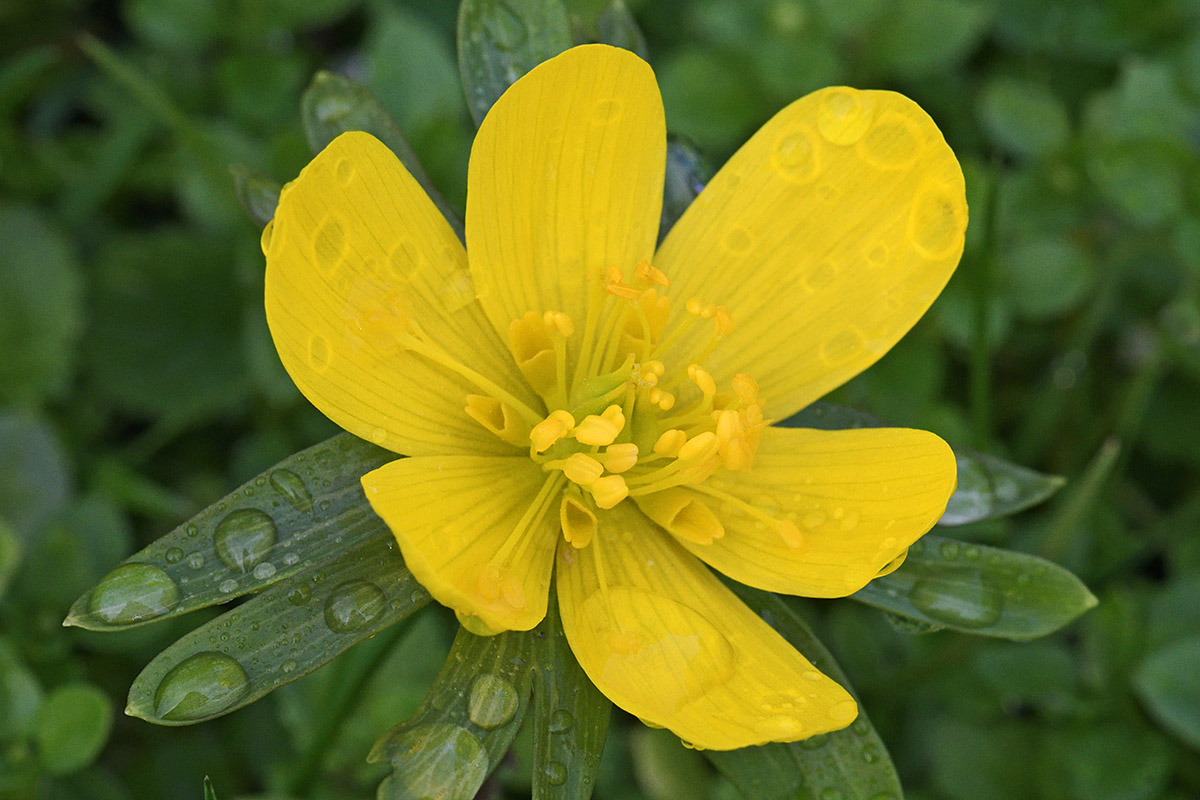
(138, 382)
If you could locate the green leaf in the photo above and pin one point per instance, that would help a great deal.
(20, 695)
(988, 487)
(281, 635)
(304, 511)
(982, 590)
(570, 717)
(333, 105)
(1169, 685)
(257, 193)
(209, 792)
(852, 762)
(10, 555)
(920, 37)
(616, 26)
(1023, 116)
(687, 173)
(34, 483)
(465, 724)
(72, 727)
(40, 306)
(500, 41)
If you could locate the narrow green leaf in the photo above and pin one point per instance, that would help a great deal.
(988, 487)
(465, 724)
(616, 26)
(570, 717)
(257, 193)
(500, 41)
(281, 635)
(303, 511)
(1169, 685)
(333, 105)
(687, 173)
(72, 727)
(209, 792)
(978, 589)
(850, 763)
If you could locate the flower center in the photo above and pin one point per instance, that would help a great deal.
(622, 423)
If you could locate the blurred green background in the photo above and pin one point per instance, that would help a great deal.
(138, 382)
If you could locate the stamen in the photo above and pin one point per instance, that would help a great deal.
(670, 442)
(582, 469)
(603, 429)
(619, 457)
(609, 490)
(699, 376)
(550, 430)
(651, 275)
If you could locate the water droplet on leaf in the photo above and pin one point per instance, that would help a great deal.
(200, 686)
(290, 485)
(132, 593)
(493, 701)
(244, 538)
(353, 605)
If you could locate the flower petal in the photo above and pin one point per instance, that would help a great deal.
(565, 180)
(356, 253)
(662, 638)
(852, 502)
(477, 531)
(827, 235)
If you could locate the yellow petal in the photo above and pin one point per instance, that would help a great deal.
(827, 235)
(662, 638)
(847, 504)
(565, 180)
(477, 531)
(357, 254)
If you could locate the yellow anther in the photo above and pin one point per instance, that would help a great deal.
(613, 274)
(790, 534)
(699, 448)
(651, 275)
(666, 401)
(655, 368)
(619, 457)
(699, 376)
(609, 490)
(550, 430)
(745, 387)
(736, 454)
(694, 306)
(559, 322)
(582, 469)
(603, 429)
(729, 425)
(670, 442)
(498, 417)
(724, 322)
(577, 521)
(623, 292)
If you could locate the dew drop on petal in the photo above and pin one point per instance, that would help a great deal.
(796, 156)
(844, 115)
(893, 143)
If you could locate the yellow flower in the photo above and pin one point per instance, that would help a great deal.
(571, 398)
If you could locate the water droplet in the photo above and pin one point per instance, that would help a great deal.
(961, 598)
(796, 156)
(870, 755)
(878, 254)
(892, 143)
(842, 346)
(264, 570)
(972, 552)
(264, 238)
(850, 521)
(173, 555)
(949, 550)
(556, 773)
(493, 701)
(832, 794)
(292, 487)
(244, 538)
(345, 171)
(814, 519)
(353, 605)
(606, 111)
(195, 559)
(561, 720)
(738, 241)
(937, 221)
(378, 436)
(288, 666)
(291, 559)
(435, 761)
(300, 595)
(228, 586)
(822, 276)
(843, 712)
(329, 243)
(845, 114)
(132, 593)
(504, 27)
(778, 727)
(320, 354)
(200, 686)
(814, 742)
(192, 530)
(641, 633)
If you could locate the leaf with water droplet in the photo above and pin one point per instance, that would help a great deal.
(979, 589)
(810, 767)
(258, 194)
(500, 41)
(570, 717)
(257, 536)
(988, 487)
(276, 640)
(333, 105)
(466, 722)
